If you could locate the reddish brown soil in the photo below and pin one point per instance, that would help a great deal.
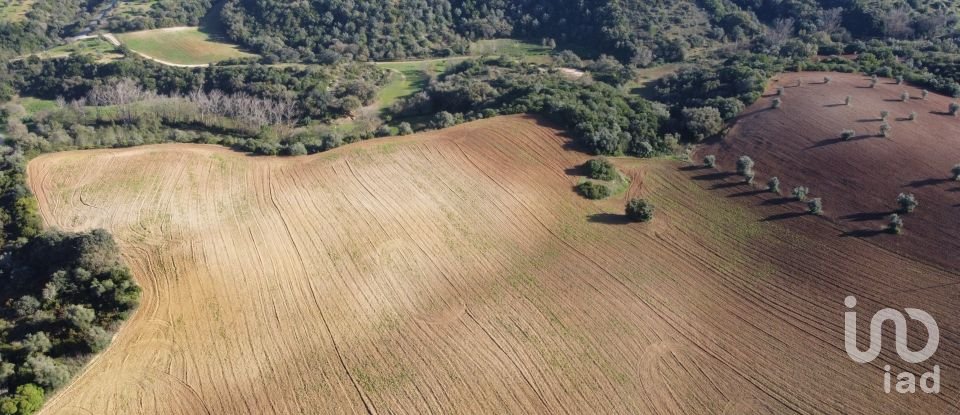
(859, 179)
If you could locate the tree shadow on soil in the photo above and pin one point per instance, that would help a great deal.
(784, 216)
(941, 113)
(867, 216)
(712, 176)
(719, 186)
(955, 189)
(832, 141)
(748, 193)
(926, 182)
(693, 168)
(608, 219)
(778, 201)
(862, 233)
(835, 105)
(870, 120)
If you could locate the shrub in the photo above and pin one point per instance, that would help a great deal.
(45, 371)
(907, 201)
(953, 109)
(899, 79)
(827, 79)
(593, 191)
(800, 193)
(639, 210)
(884, 115)
(956, 172)
(873, 83)
(710, 161)
(79, 316)
(885, 130)
(848, 100)
(297, 149)
(773, 185)
(924, 94)
(815, 206)
(27, 400)
(405, 128)
(601, 169)
(444, 119)
(904, 96)
(847, 134)
(912, 116)
(776, 103)
(744, 166)
(895, 225)
(780, 91)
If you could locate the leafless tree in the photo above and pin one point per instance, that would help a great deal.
(780, 32)
(896, 23)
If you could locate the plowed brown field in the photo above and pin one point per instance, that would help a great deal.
(859, 179)
(458, 272)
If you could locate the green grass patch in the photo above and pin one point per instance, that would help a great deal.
(182, 46)
(14, 10)
(507, 47)
(95, 46)
(35, 105)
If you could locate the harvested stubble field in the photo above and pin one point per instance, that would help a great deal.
(458, 272)
(859, 179)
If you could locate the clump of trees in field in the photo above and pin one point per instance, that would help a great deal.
(702, 122)
(601, 169)
(907, 202)
(639, 210)
(593, 191)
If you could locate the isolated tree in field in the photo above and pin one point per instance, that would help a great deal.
(924, 94)
(874, 78)
(800, 193)
(776, 103)
(847, 134)
(907, 202)
(873, 83)
(744, 165)
(710, 161)
(912, 116)
(884, 115)
(956, 172)
(953, 109)
(899, 79)
(815, 206)
(639, 210)
(848, 100)
(780, 91)
(601, 169)
(895, 224)
(885, 130)
(827, 79)
(773, 185)
(904, 96)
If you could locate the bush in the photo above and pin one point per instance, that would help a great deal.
(904, 96)
(827, 79)
(444, 119)
(873, 83)
(776, 103)
(899, 79)
(297, 149)
(907, 202)
(744, 166)
(702, 122)
(924, 94)
(800, 193)
(710, 161)
(593, 191)
(773, 185)
(405, 128)
(639, 210)
(956, 172)
(846, 135)
(885, 130)
(895, 225)
(815, 206)
(780, 91)
(953, 109)
(601, 169)
(884, 115)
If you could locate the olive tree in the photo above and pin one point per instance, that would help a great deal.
(953, 109)
(710, 161)
(815, 206)
(776, 103)
(884, 115)
(773, 185)
(912, 116)
(924, 94)
(895, 224)
(885, 130)
(904, 96)
(744, 165)
(848, 100)
(956, 172)
(847, 134)
(800, 193)
(908, 202)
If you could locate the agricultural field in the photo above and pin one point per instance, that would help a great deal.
(458, 271)
(181, 46)
(859, 179)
